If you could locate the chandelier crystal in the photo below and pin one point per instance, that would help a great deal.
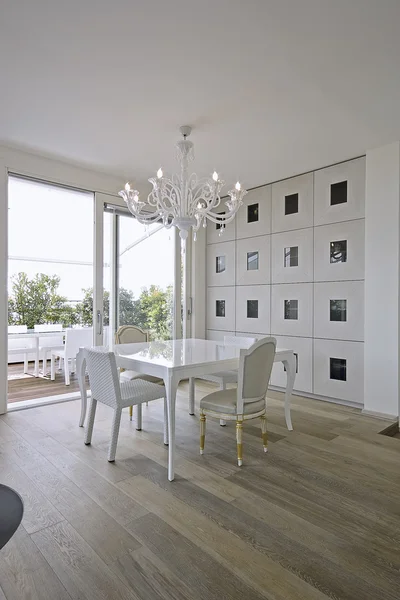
(184, 201)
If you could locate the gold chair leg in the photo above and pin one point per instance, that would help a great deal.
(264, 433)
(130, 413)
(202, 432)
(239, 431)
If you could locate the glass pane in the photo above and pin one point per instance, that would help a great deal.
(338, 193)
(338, 251)
(220, 264)
(146, 277)
(338, 310)
(252, 213)
(252, 309)
(220, 308)
(291, 256)
(291, 204)
(252, 261)
(291, 309)
(338, 368)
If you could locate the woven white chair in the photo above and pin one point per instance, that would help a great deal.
(246, 402)
(106, 388)
(130, 334)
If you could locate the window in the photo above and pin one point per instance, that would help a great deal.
(291, 204)
(338, 251)
(291, 309)
(338, 193)
(338, 369)
(252, 261)
(220, 264)
(291, 256)
(220, 308)
(252, 309)
(252, 213)
(338, 310)
(220, 225)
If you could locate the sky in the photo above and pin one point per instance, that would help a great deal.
(55, 224)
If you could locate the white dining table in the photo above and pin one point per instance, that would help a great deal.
(34, 335)
(175, 360)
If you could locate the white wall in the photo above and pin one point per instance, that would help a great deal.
(56, 171)
(381, 372)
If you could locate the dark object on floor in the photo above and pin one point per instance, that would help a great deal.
(11, 511)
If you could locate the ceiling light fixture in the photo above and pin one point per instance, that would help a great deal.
(184, 201)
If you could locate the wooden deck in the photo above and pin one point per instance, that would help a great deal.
(27, 387)
(316, 518)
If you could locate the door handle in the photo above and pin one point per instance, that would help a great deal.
(99, 322)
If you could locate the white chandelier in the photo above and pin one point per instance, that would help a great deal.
(184, 201)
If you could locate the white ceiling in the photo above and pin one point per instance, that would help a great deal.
(271, 87)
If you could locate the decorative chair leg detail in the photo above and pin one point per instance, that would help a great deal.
(92, 414)
(165, 422)
(239, 431)
(264, 433)
(202, 432)
(114, 434)
(139, 417)
(130, 413)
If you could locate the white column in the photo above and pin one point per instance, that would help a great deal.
(3, 285)
(382, 268)
(199, 287)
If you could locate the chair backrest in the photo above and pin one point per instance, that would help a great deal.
(77, 338)
(103, 376)
(44, 327)
(240, 342)
(130, 334)
(255, 368)
(17, 328)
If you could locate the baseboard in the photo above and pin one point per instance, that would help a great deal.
(25, 404)
(321, 398)
(378, 415)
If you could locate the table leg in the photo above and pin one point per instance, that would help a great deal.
(36, 372)
(81, 369)
(171, 386)
(290, 364)
(191, 395)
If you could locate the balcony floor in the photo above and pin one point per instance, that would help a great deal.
(23, 386)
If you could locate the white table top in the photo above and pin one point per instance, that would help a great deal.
(173, 354)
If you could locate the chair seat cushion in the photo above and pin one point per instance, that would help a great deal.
(226, 376)
(137, 391)
(130, 375)
(224, 401)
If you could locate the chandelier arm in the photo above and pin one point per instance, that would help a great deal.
(165, 190)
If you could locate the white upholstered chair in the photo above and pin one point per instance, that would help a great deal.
(130, 334)
(74, 339)
(51, 342)
(106, 388)
(23, 347)
(246, 402)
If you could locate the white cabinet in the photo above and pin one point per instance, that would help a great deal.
(221, 264)
(292, 256)
(253, 260)
(339, 370)
(339, 251)
(221, 308)
(292, 309)
(253, 308)
(292, 203)
(339, 192)
(302, 348)
(339, 310)
(254, 217)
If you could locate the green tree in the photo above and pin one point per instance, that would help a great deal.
(36, 301)
(84, 309)
(156, 306)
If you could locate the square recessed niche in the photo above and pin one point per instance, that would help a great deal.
(291, 309)
(252, 213)
(291, 204)
(220, 265)
(338, 251)
(338, 193)
(338, 310)
(220, 308)
(291, 256)
(338, 369)
(252, 261)
(220, 225)
(252, 309)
